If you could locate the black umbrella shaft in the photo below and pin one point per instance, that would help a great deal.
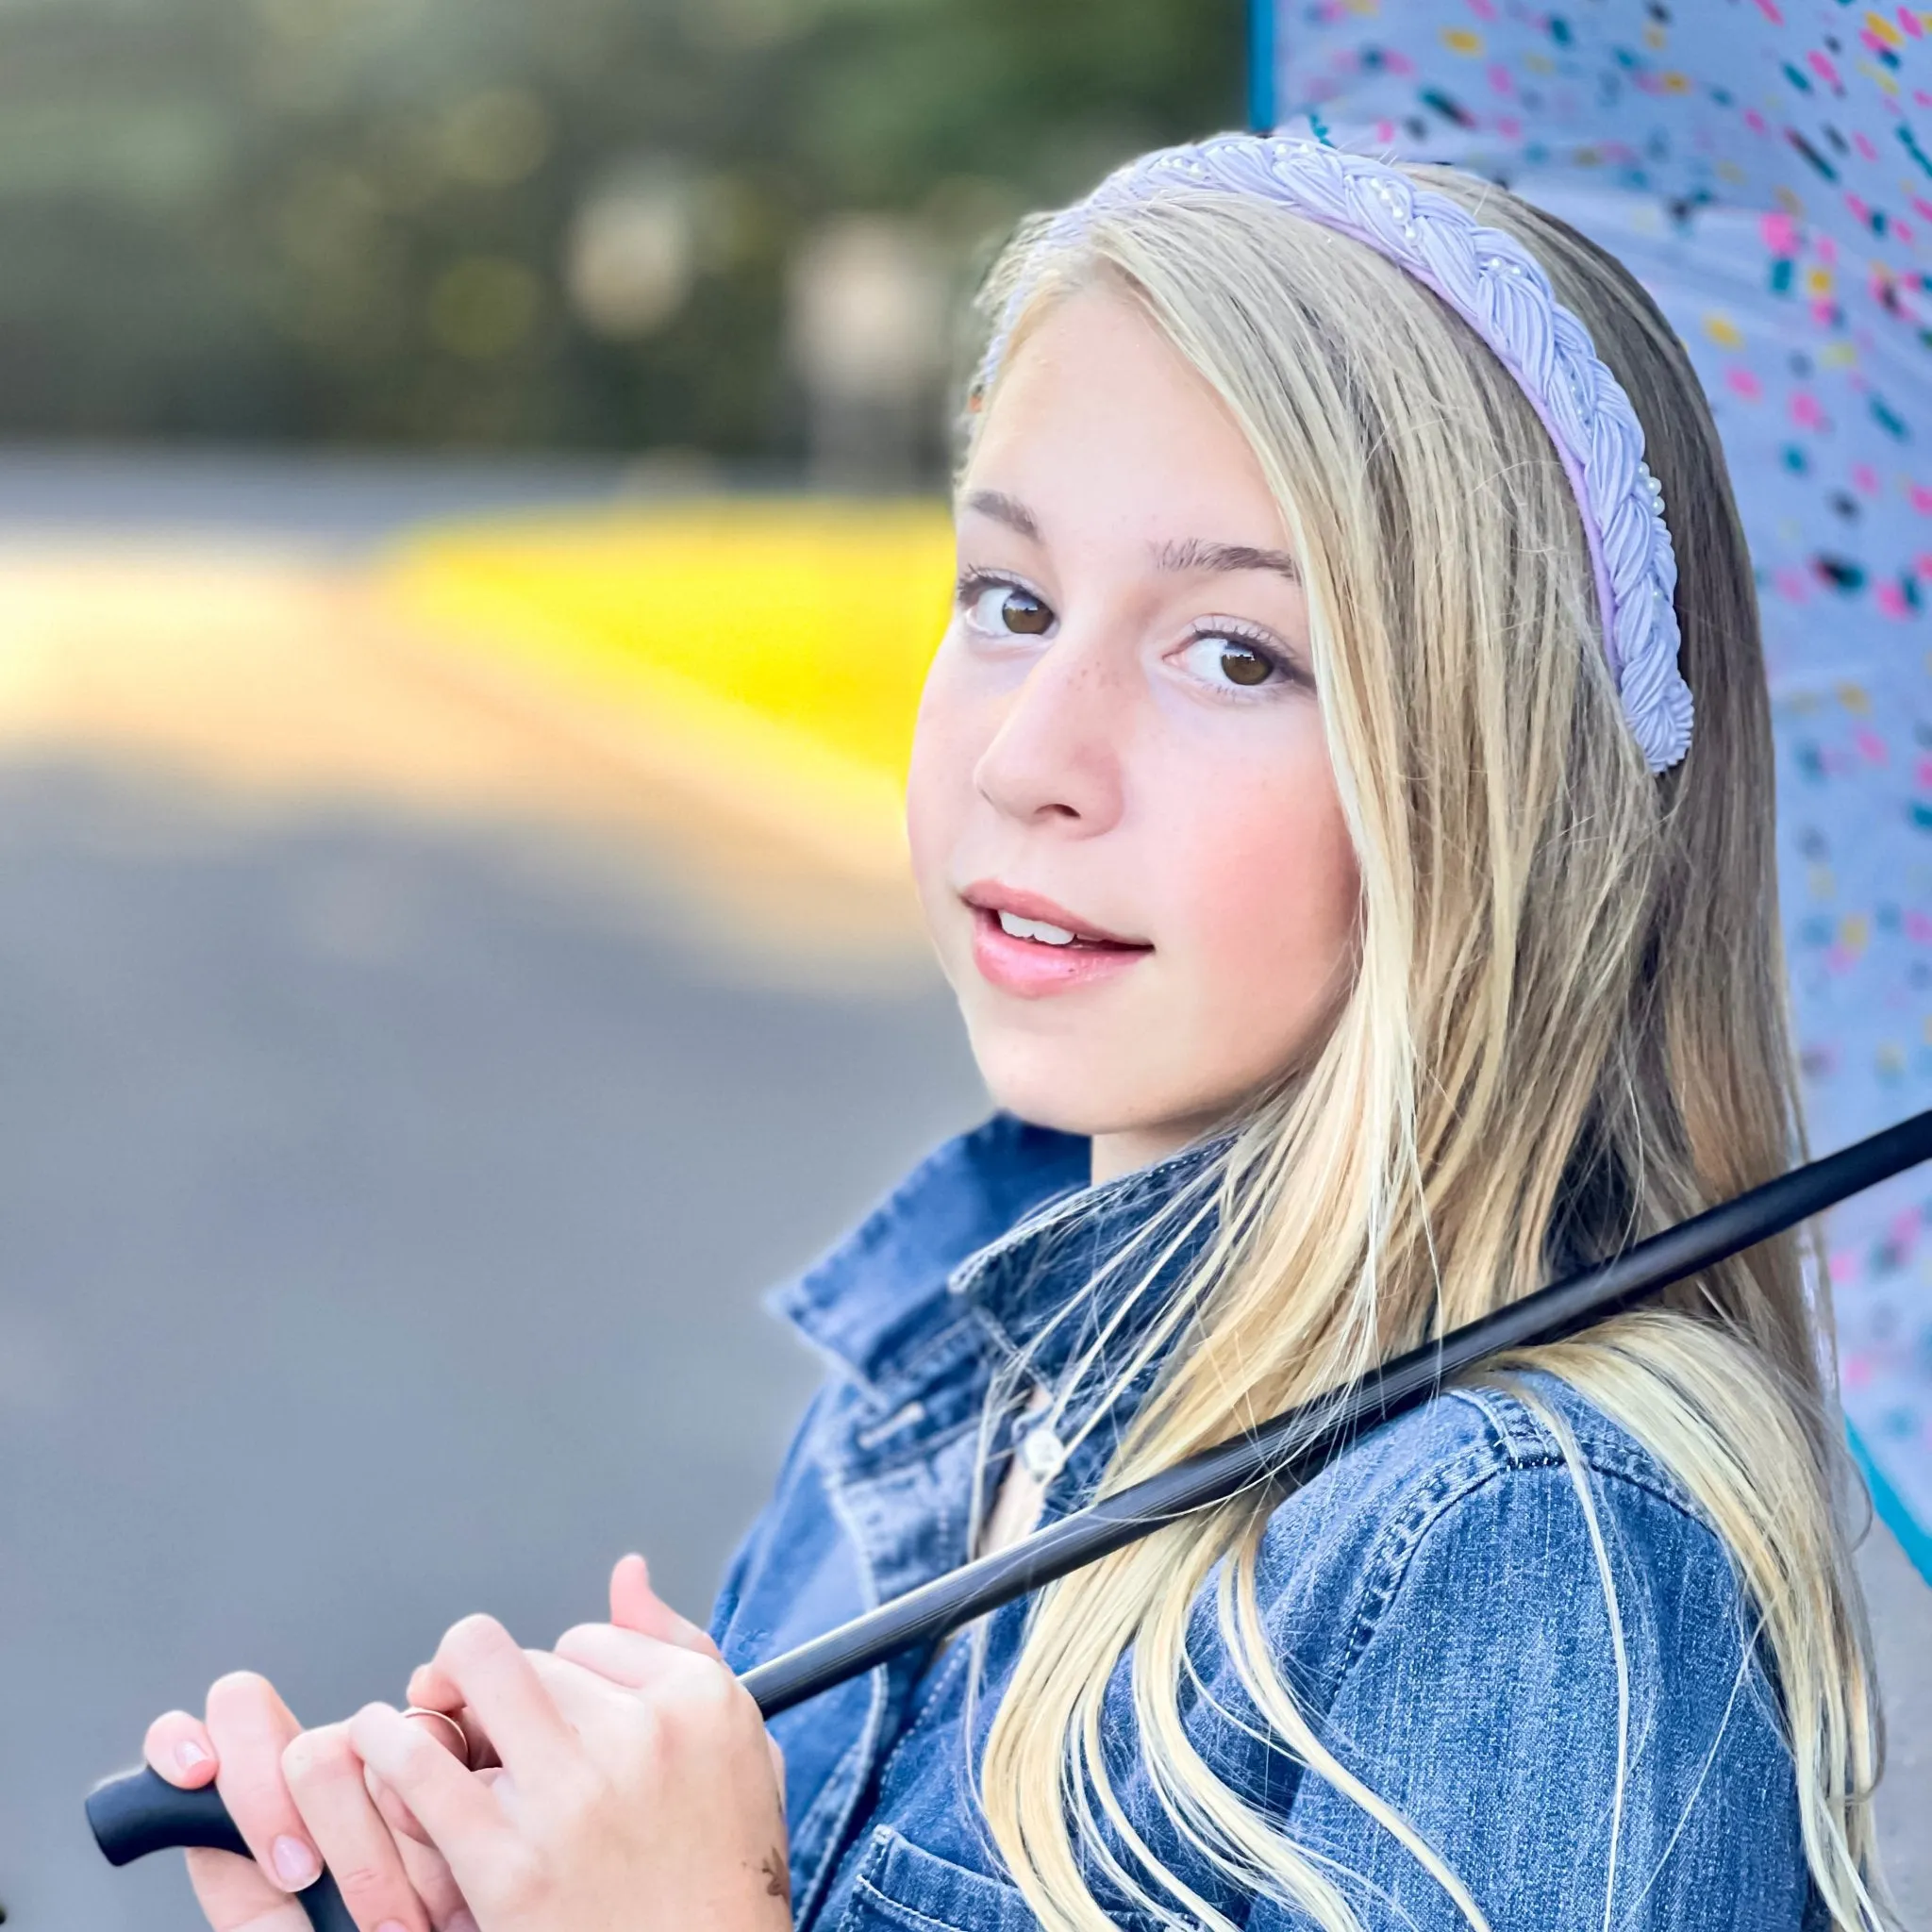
(1286, 1449)
(141, 1813)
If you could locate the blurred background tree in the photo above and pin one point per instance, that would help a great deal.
(557, 224)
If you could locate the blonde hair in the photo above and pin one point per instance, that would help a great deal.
(1566, 1029)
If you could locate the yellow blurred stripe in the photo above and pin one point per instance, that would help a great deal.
(273, 684)
(782, 641)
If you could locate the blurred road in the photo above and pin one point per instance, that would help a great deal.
(386, 1186)
(384, 1217)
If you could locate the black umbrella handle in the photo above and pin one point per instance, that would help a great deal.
(142, 1812)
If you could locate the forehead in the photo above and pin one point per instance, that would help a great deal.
(1097, 418)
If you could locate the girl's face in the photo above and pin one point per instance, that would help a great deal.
(1124, 824)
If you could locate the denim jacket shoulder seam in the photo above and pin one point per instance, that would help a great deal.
(1517, 1427)
(1396, 1551)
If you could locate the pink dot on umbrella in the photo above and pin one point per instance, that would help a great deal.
(1827, 251)
(1821, 66)
(1744, 382)
(1863, 143)
(1501, 80)
(1892, 601)
(1872, 747)
(1807, 411)
(1865, 480)
(1791, 585)
(1922, 501)
(1918, 924)
(1903, 228)
(1842, 1266)
(1508, 126)
(1854, 1371)
(1779, 233)
(1910, 21)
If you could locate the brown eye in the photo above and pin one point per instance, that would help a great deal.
(1023, 613)
(997, 610)
(1242, 664)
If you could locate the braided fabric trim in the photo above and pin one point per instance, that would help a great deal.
(1493, 282)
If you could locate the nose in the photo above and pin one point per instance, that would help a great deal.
(1057, 755)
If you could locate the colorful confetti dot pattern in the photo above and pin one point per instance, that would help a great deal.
(1765, 167)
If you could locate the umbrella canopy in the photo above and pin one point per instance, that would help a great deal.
(1765, 167)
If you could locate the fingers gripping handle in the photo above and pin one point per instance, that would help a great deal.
(140, 1812)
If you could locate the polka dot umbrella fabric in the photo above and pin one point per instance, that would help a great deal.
(1765, 167)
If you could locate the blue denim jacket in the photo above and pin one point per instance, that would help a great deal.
(1433, 1597)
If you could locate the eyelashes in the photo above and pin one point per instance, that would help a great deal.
(1002, 607)
(1022, 609)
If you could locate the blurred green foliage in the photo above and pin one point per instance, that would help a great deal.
(345, 221)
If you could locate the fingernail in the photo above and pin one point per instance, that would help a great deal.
(460, 1920)
(295, 1864)
(187, 1755)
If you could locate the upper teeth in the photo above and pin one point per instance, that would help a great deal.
(1019, 929)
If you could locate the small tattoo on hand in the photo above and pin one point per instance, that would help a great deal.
(777, 1871)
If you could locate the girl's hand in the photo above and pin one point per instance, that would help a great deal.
(634, 1605)
(636, 1788)
(299, 1798)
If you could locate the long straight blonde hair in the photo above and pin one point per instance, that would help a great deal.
(1566, 1028)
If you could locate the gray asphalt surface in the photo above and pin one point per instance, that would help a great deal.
(384, 1219)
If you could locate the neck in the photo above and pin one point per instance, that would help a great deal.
(1122, 1153)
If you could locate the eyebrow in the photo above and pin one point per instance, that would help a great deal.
(1196, 554)
(1192, 554)
(1006, 510)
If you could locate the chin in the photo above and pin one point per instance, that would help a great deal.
(1086, 1091)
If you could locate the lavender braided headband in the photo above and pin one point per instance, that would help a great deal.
(1491, 280)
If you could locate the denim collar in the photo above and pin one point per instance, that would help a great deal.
(1020, 1285)
(873, 1301)
(1001, 1226)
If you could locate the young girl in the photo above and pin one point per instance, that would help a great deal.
(1357, 932)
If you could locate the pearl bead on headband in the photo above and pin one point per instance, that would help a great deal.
(1493, 282)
